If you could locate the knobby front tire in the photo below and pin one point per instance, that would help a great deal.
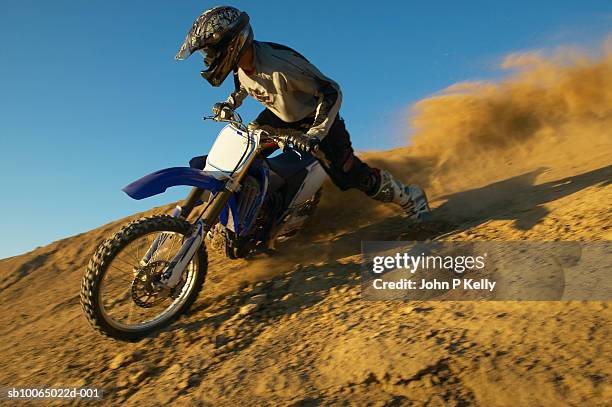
(100, 264)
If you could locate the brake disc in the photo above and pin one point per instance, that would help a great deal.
(146, 293)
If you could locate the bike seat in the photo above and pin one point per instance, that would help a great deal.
(289, 163)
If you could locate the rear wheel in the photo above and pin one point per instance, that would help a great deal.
(118, 291)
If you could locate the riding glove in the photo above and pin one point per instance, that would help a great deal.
(219, 107)
(303, 143)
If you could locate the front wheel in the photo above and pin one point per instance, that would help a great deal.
(118, 292)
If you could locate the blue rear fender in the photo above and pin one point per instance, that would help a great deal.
(157, 182)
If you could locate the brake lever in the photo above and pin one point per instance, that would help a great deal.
(238, 123)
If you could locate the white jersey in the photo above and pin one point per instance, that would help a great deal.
(290, 86)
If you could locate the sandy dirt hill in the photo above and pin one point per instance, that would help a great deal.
(528, 158)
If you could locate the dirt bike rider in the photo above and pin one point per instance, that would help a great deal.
(296, 95)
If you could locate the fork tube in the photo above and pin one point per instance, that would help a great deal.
(179, 211)
(211, 216)
(192, 199)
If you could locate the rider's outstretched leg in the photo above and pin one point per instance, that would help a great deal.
(411, 198)
(347, 171)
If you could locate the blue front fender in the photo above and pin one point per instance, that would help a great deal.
(159, 181)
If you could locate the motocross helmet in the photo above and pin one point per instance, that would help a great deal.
(221, 34)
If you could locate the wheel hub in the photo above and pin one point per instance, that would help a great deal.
(146, 290)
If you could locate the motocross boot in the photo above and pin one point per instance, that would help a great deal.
(411, 198)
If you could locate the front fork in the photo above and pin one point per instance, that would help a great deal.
(174, 271)
(172, 275)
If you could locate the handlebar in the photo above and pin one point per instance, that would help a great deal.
(233, 118)
(280, 136)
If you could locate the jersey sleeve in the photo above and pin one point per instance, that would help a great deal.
(302, 76)
(330, 99)
(237, 97)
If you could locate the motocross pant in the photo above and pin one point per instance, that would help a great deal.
(340, 163)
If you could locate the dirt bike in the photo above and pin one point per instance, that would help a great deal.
(152, 270)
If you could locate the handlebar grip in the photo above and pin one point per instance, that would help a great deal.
(284, 136)
(226, 113)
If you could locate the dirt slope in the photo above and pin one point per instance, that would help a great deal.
(312, 340)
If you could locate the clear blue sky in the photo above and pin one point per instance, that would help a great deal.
(91, 97)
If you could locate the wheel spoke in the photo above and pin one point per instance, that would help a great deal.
(121, 276)
(173, 237)
(125, 262)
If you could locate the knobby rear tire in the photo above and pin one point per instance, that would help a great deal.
(110, 248)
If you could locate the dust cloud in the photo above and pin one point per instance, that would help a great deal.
(549, 107)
